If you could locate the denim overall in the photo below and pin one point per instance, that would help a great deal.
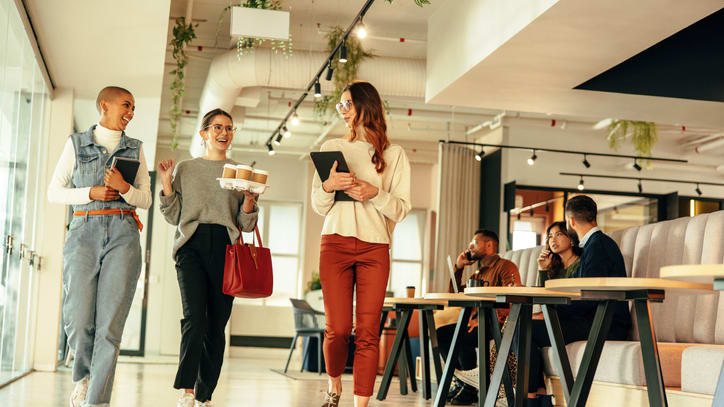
(101, 266)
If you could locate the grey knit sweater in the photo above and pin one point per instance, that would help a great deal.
(197, 198)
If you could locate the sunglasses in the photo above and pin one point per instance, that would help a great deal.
(343, 106)
(218, 128)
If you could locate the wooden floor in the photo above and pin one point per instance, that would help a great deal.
(244, 381)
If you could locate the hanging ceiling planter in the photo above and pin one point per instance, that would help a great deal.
(259, 23)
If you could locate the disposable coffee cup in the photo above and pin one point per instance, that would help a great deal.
(229, 171)
(410, 291)
(259, 176)
(474, 283)
(243, 172)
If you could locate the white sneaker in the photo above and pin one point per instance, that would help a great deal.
(78, 396)
(204, 404)
(469, 377)
(186, 400)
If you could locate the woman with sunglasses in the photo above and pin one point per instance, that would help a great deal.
(208, 219)
(356, 236)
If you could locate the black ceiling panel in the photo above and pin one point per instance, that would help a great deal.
(688, 65)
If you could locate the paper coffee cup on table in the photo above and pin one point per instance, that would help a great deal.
(243, 172)
(229, 171)
(260, 176)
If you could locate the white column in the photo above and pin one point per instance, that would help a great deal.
(52, 236)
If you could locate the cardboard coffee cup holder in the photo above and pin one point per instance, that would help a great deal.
(242, 185)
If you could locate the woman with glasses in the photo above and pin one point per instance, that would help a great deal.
(208, 219)
(356, 236)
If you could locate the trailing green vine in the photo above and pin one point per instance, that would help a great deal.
(344, 73)
(245, 45)
(644, 135)
(183, 34)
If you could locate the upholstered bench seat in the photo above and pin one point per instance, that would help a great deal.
(621, 362)
(700, 368)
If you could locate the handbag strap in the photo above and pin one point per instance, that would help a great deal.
(240, 240)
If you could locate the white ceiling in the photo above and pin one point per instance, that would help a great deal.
(530, 54)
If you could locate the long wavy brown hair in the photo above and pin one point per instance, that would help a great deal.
(371, 116)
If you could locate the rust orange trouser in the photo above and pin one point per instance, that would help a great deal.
(343, 263)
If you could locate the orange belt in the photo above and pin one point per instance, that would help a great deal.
(112, 212)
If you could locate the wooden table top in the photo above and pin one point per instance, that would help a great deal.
(492, 292)
(628, 284)
(455, 297)
(693, 273)
(415, 301)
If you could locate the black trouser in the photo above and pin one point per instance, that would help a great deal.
(200, 271)
(467, 357)
(573, 330)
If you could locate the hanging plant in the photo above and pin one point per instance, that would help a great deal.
(344, 73)
(246, 45)
(420, 3)
(182, 35)
(643, 135)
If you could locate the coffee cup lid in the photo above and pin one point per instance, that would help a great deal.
(243, 167)
(261, 172)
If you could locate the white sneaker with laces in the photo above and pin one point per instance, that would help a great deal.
(207, 403)
(186, 400)
(79, 392)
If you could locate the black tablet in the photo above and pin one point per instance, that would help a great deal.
(323, 161)
(128, 168)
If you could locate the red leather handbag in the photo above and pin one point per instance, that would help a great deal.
(248, 269)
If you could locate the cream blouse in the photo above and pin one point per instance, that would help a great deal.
(374, 220)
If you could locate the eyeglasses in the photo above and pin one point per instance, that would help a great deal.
(343, 106)
(218, 128)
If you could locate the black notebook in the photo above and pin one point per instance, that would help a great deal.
(128, 167)
(323, 161)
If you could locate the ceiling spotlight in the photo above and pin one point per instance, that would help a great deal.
(286, 132)
(343, 53)
(585, 161)
(330, 71)
(317, 89)
(531, 212)
(698, 190)
(548, 207)
(278, 140)
(580, 185)
(518, 215)
(636, 165)
(641, 187)
(271, 149)
(479, 156)
(361, 30)
(295, 119)
(532, 158)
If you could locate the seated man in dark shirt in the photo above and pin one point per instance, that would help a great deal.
(601, 258)
(492, 270)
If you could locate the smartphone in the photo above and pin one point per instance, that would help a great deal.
(470, 256)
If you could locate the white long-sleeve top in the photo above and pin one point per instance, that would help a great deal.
(374, 220)
(59, 191)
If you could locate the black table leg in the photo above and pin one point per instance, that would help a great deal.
(434, 344)
(495, 329)
(592, 354)
(560, 356)
(483, 355)
(424, 355)
(650, 353)
(525, 326)
(407, 355)
(502, 361)
(383, 319)
(447, 374)
(402, 366)
(403, 322)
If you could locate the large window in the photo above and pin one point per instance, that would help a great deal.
(406, 253)
(280, 227)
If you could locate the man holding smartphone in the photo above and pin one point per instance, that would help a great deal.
(492, 270)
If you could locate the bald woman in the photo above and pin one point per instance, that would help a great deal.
(102, 252)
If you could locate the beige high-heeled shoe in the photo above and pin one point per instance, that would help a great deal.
(331, 399)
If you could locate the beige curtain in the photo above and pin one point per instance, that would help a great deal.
(458, 208)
